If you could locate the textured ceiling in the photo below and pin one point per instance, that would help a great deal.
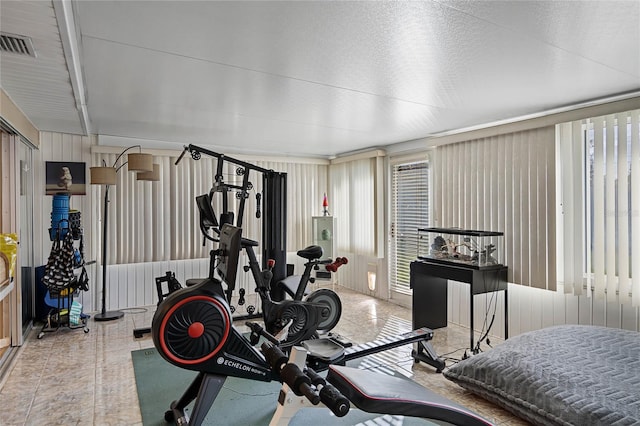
(316, 78)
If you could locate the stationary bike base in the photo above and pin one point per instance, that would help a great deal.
(108, 316)
(204, 389)
(427, 354)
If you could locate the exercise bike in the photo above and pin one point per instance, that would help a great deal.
(295, 286)
(193, 329)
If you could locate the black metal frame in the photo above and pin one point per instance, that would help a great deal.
(274, 219)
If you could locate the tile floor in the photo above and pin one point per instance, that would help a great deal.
(72, 378)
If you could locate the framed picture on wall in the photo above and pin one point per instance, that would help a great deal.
(65, 176)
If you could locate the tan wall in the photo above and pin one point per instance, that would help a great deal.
(14, 116)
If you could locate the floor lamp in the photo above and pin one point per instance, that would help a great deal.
(105, 175)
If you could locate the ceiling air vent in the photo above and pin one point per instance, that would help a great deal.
(13, 43)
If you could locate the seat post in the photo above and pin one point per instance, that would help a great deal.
(304, 280)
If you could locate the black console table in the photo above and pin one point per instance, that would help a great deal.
(429, 283)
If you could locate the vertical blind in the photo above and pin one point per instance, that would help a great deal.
(409, 212)
(601, 206)
(160, 221)
(353, 203)
(503, 183)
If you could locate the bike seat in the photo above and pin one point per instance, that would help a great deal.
(310, 253)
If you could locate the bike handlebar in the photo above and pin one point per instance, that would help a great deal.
(299, 382)
(330, 396)
(308, 383)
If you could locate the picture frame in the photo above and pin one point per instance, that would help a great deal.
(65, 177)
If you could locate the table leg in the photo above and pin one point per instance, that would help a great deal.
(471, 318)
(506, 315)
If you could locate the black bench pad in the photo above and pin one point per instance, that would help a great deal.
(380, 393)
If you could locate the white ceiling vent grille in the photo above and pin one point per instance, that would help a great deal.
(20, 45)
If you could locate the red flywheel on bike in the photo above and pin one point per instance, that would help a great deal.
(194, 329)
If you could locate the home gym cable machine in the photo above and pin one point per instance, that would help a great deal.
(273, 212)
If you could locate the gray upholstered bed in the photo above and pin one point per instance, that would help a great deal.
(563, 375)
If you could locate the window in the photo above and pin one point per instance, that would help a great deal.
(409, 211)
(602, 196)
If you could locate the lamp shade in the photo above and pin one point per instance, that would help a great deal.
(138, 162)
(152, 176)
(103, 175)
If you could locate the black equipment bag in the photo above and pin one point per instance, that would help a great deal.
(58, 273)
